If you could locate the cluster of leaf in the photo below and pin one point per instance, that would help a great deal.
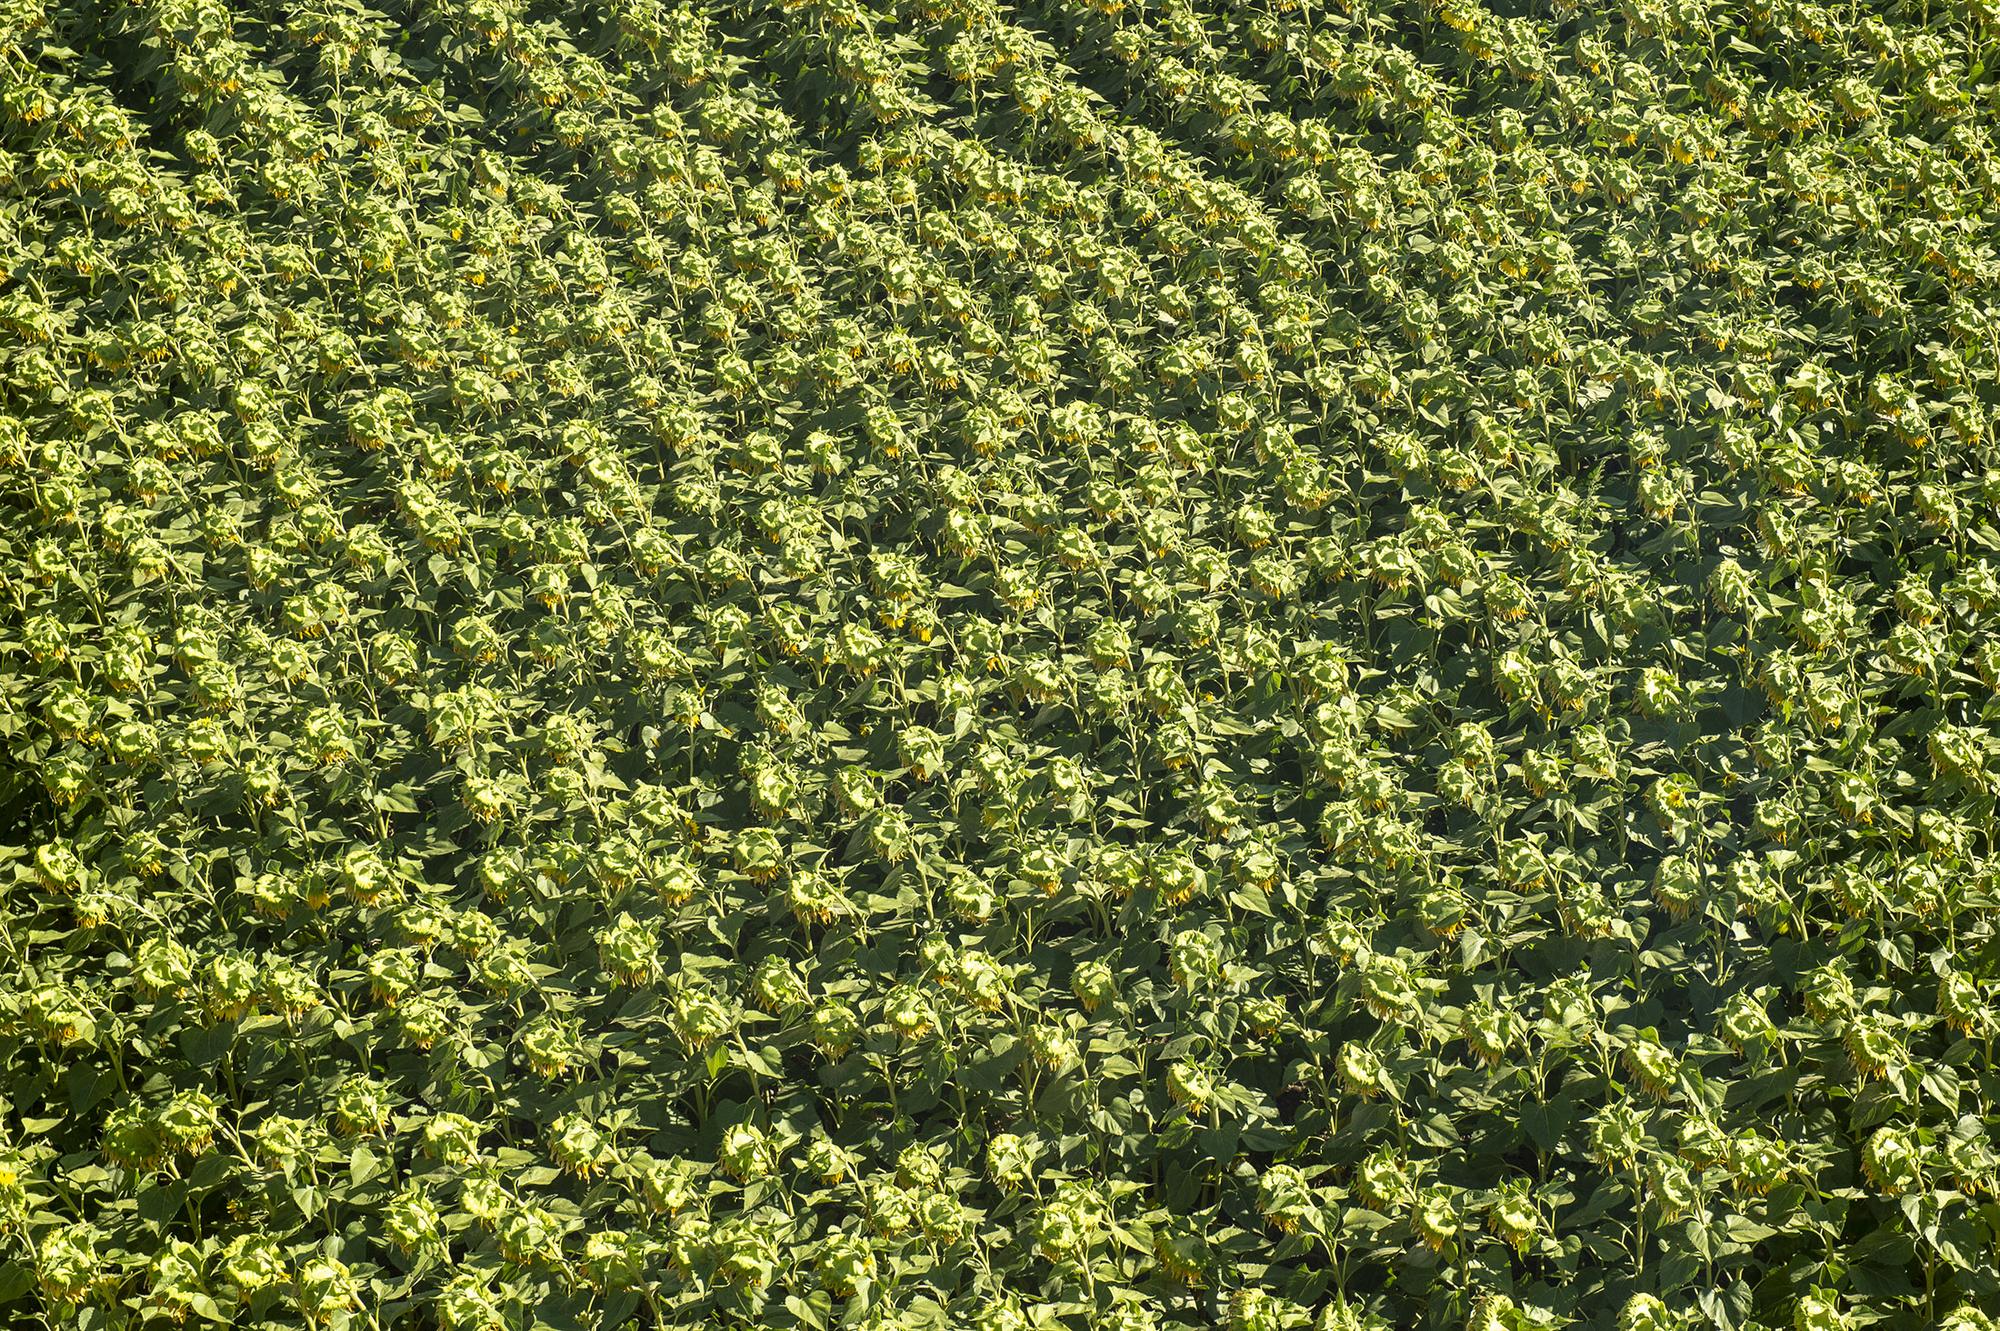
(930, 665)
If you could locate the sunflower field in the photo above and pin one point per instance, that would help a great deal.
(933, 665)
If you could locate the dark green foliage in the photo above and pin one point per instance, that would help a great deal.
(777, 666)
